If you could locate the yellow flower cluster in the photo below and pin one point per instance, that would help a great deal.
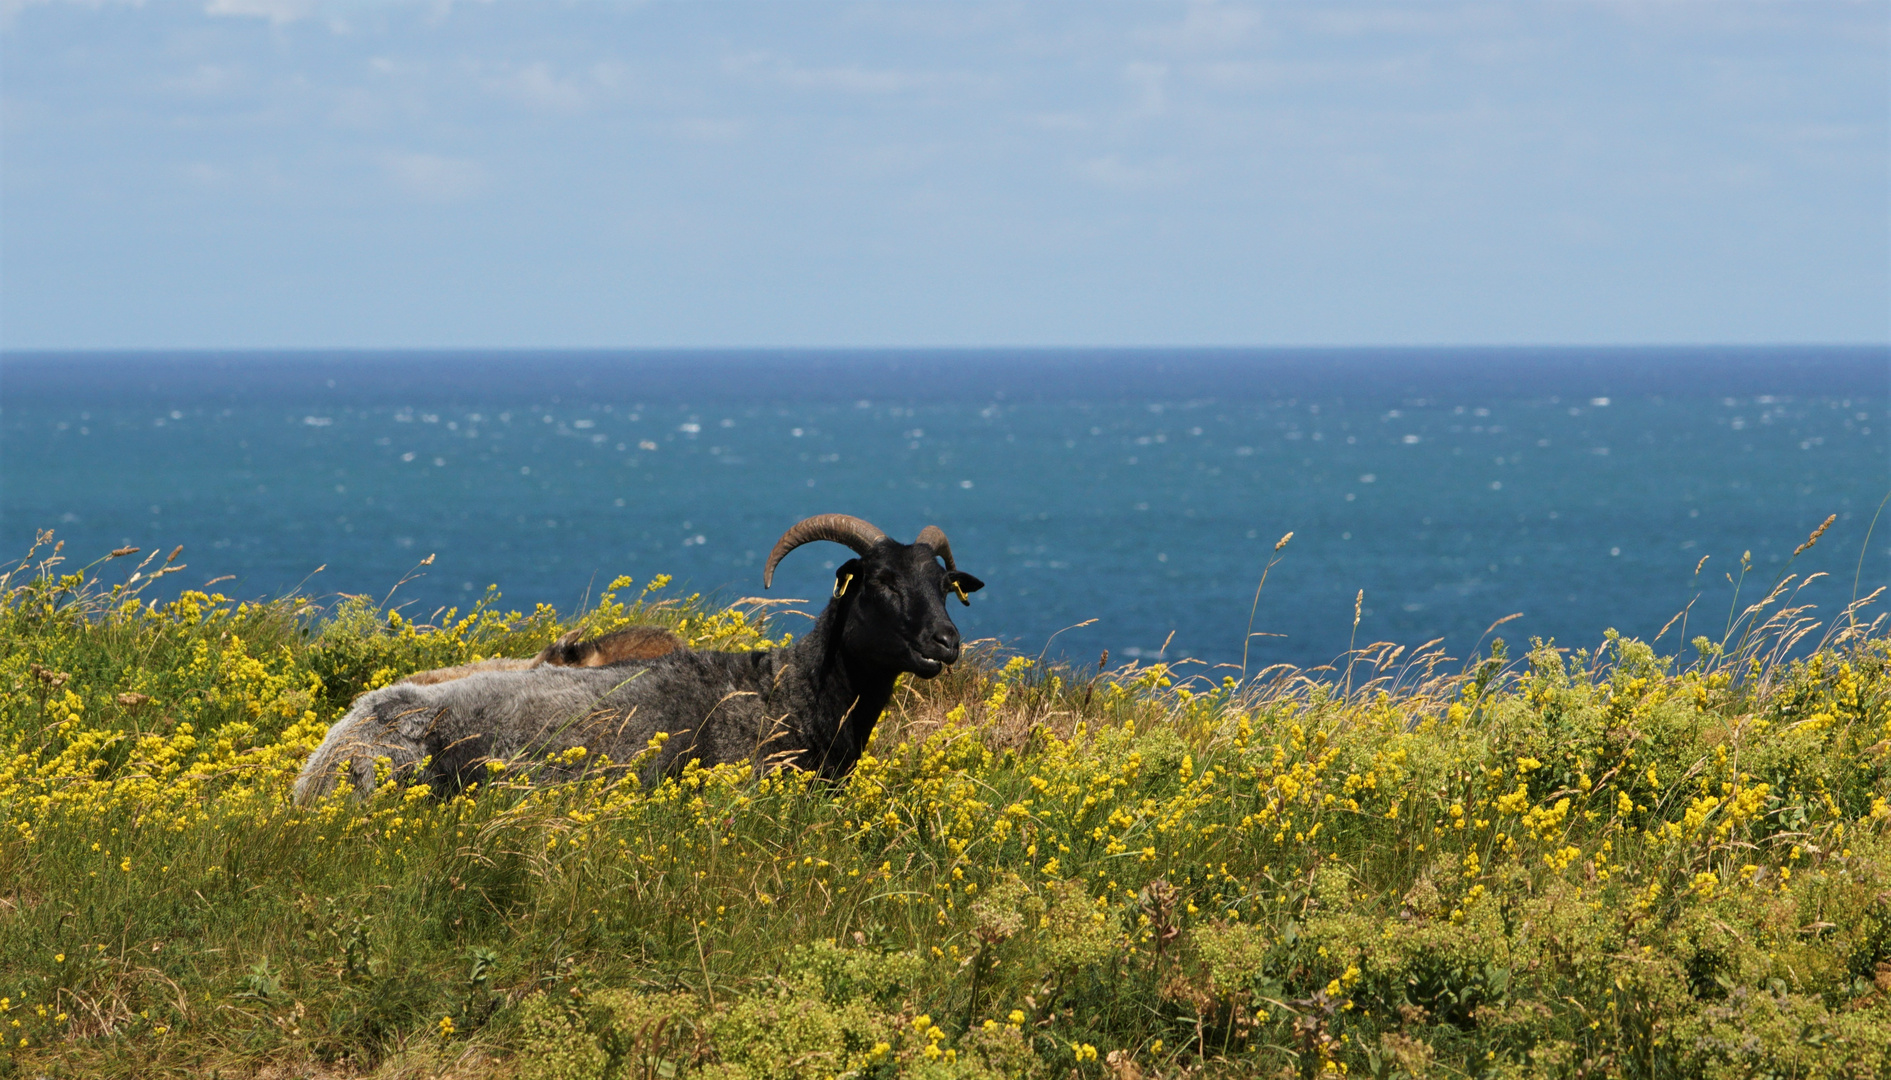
(1288, 852)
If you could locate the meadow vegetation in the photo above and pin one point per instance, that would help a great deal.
(1559, 863)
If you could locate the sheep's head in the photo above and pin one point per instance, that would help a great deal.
(891, 597)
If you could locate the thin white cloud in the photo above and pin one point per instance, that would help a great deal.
(206, 80)
(1149, 84)
(1815, 132)
(204, 174)
(253, 177)
(539, 86)
(1582, 230)
(1209, 26)
(393, 67)
(858, 80)
(435, 178)
(853, 78)
(276, 11)
(1269, 74)
(1111, 171)
(894, 159)
(441, 9)
(542, 85)
(10, 8)
(358, 108)
(1358, 131)
(610, 75)
(1407, 21)
(703, 129)
(1059, 121)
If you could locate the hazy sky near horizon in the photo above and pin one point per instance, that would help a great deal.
(307, 173)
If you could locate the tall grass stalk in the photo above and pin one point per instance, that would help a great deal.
(1561, 863)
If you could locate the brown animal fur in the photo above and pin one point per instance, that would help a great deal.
(630, 643)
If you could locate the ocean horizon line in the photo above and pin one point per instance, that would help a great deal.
(8, 352)
(1388, 375)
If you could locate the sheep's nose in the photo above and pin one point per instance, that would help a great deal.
(948, 639)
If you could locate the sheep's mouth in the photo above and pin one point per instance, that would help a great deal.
(926, 667)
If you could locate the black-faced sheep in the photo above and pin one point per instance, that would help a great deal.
(811, 705)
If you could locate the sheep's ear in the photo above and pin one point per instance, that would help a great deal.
(962, 583)
(845, 576)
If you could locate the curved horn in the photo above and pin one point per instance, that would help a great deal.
(935, 538)
(840, 528)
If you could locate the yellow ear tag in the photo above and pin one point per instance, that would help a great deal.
(960, 589)
(840, 587)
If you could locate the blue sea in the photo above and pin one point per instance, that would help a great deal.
(1122, 499)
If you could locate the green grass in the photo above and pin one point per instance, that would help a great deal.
(1617, 864)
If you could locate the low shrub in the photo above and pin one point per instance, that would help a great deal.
(1609, 864)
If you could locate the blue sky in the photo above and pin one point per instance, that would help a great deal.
(304, 173)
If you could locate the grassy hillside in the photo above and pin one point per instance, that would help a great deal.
(1550, 864)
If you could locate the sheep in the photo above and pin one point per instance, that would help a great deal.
(629, 644)
(810, 706)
